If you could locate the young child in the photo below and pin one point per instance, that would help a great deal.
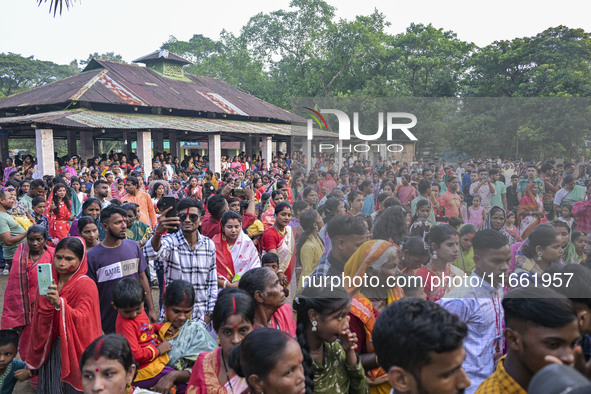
(414, 255)
(510, 226)
(255, 230)
(271, 260)
(475, 213)
(38, 204)
(412, 286)
(423, 210)
(132, 322)
(11, 370)
(566, 211)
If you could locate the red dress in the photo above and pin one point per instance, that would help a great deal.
(59, 225)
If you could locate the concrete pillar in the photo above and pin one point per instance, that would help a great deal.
(242, 146)
(214, 146)
(71, 135)
(339, 163)
(267, 150)
(4, 146)
(95, 144)
(308, 151)
(291, 145)
(45, 152)
(248, 145)
(144, 151)
(172, 136)
(126, 144)
(86, 145)
(158, 141)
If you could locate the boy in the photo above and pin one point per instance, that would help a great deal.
(11, 370)
(38, 204)
(132, 323)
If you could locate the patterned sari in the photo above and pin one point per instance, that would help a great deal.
(21, 291)
(232, 261)
(187, 343)
(204, 377)
(528, 203)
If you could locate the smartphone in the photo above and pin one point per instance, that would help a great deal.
(44, 278)
(240, 193)
(167, 202)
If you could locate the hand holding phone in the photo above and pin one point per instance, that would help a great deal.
(44, 278)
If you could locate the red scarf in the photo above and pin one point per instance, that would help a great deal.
(77, 324)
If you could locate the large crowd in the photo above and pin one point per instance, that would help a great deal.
(354, 277)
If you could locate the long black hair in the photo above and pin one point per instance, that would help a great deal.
(56, 200)
(307, 221)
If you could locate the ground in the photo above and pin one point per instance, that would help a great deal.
(24, 387)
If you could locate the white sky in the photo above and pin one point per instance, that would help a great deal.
(133, 28)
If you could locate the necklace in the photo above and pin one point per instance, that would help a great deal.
(226, 370)
(320, 349)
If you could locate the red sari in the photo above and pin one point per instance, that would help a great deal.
(20, 294)
(77, 324)
(232, 261)
(59, 225)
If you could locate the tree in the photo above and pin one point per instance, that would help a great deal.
(111, 56)
(57, 4)
(18, 73)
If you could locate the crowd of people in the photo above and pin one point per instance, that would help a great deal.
(356, 277)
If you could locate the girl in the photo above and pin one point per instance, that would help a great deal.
(511, 228)
(193, 190)
(187, 337)
(280, 240)
(330, 366)
(156, 195)
(578, 239)
(23, 188)
(299, 207)
(443, 244)
(530, 211)
(309, 246)
(569, 254)
(465, 260)
(355, 199)
(71, 307)
(76, 184)
(414, 255)
(88, 231)
(59, 213)
(268, 217)
(92, 208)
(233, 320)
(235, 251)
(21, 289)
(270, 362)
(566, 211)
(476, 214)
(542, 248)
(423, 210)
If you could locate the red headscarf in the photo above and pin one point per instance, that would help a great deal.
(77, 323)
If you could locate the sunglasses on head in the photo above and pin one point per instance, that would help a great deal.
(192, 217)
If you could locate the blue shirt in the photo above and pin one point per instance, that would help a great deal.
(7, 379)
(368, 205)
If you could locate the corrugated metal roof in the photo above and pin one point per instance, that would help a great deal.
(105, 82)
(87, 119)
(160, 54)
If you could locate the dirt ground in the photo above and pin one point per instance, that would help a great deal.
(24, 387)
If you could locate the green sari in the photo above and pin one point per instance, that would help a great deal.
(189, 341)
(577, 194)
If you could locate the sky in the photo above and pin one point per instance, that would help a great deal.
(134, 28)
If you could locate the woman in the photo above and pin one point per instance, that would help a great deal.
(76, 184)
(443, 244)
(59, 212)
(65, 321)
(375, 258)
(235, 251)
(268, 217)
(193, 189)
(233, 319)
(28, 167)
(298, 184)
(119, 192)
(530, 210)
(156, 194)
(9, 169)
(270, 362)
(311, 197)
(569, 252)
(88, 231)
(280, 239)
(21, 289)
(542, 248)
(496, 220)
(465, 260)
(267, 292)
(92, 208)
(309, 247)
(107, 366)
(405, 191)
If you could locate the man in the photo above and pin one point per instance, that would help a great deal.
(101, 191)
(512, 201)
(347, 234)
(419, 345)
(539, 323)
(483, 188)
(114, 259)
(367, 189)
(500, 198)
(478, 304)
(532, 173)
(36, 189)
(460, 171)
(142, 199)
(187, 255)
(451, 200)
(424, 194)
(551, 185)
(466, 180)
(428, 174)
(12, 234)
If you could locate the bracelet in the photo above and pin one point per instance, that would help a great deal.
(225, 284)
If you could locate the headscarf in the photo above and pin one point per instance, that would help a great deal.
(488, 224)
(77, 323)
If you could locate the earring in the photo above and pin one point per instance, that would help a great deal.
(434, 254)
(314, 324)
(539, 256)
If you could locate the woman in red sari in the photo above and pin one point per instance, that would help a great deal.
(268, 217)
(22, 286)
(235, 251)
(59, 212)
(65, 321)
(530, 210)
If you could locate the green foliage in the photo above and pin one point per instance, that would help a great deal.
(18, 73)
